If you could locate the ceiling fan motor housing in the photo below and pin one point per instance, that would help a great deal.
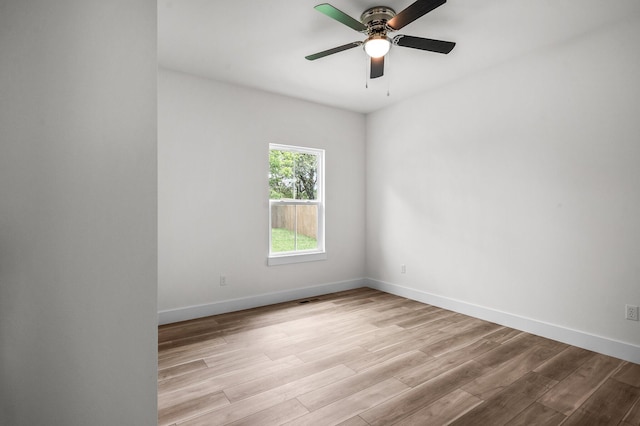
(376, 19)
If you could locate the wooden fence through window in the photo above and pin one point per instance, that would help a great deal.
(307, 219)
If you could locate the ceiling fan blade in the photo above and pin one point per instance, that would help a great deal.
(377, 67)
(340, 16)
(431, 45)
(413, 12)
(332, 51)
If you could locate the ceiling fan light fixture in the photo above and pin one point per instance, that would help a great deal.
(377, 46)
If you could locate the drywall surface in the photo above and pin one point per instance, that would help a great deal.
(78, 252)
(517, 189)
(213, 166)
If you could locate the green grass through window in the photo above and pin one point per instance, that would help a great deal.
(284, 240)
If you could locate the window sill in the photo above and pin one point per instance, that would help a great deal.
(296, 258)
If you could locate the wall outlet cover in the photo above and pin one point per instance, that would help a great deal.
(631, 312)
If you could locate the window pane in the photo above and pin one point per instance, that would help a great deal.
(294, 228)
(282, 228)
(305, 175)
(281, 174)
(307, 227)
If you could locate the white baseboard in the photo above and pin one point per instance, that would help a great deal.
(603, 345)
(232, 305)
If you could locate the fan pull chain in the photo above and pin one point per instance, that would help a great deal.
(388, 62)
(366, 71)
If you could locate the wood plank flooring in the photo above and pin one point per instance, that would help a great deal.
(364, 358)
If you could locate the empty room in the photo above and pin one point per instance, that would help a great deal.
(490, 191)
(243, 213)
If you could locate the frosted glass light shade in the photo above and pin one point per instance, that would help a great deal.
(377, 46)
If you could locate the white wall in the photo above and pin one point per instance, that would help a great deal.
(213, 193)
(78, 212)
(517, 189)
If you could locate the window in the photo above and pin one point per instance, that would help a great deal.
(296, 204)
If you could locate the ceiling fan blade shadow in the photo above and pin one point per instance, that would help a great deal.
(428, 44)
(340, 16)
(377, 67)
(332, 51)
(413, 12)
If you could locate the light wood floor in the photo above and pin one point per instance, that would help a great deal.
(364, 357)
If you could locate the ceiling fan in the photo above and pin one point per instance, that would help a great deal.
(376, 23)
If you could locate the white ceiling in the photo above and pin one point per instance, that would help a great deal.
(262, 43)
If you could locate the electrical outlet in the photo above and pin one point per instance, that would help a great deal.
(631, 312)
(403, 269)
(223, 280)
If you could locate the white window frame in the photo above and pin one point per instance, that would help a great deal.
(282, 258)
